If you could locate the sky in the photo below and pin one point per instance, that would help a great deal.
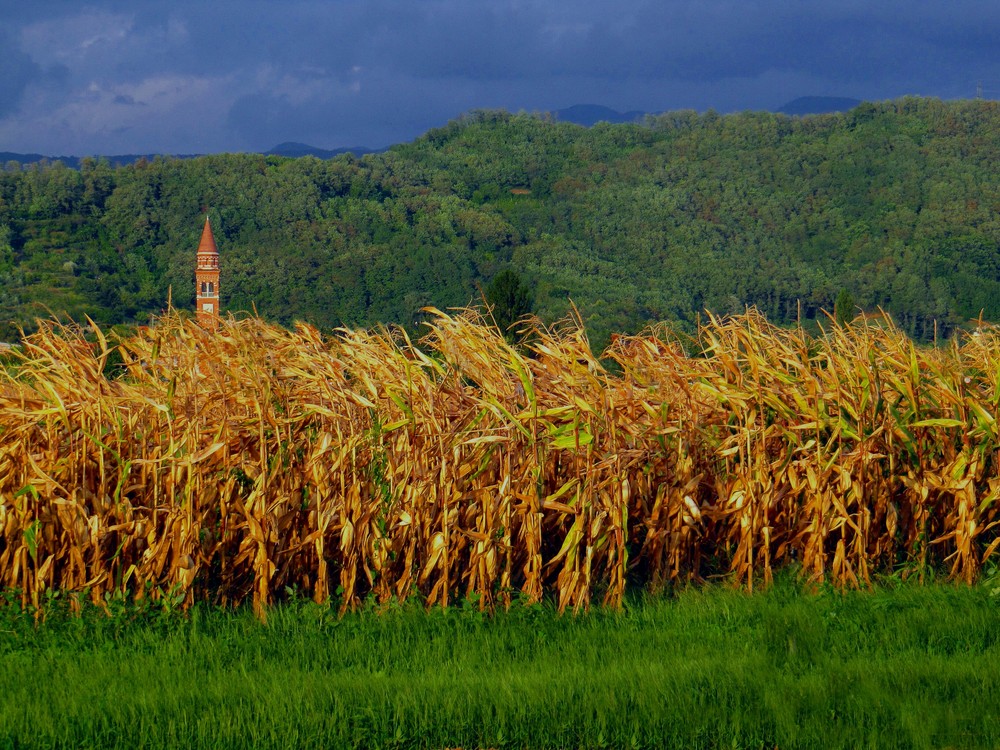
(206, 76)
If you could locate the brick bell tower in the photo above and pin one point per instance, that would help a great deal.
(207, 279)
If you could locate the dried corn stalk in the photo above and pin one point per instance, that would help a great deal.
(234, 465)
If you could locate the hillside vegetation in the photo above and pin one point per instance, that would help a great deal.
(892, 204)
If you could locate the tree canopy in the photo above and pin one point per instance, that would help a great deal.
(896, 204)
(508, 297)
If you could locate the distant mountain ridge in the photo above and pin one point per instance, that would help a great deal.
(587, 115)
(591, 114)
(73, 162)
(289, 149)
(818, 105)
(295, 150)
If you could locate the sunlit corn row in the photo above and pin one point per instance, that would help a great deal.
(239, 464)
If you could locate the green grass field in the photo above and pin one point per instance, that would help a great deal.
(898, 667)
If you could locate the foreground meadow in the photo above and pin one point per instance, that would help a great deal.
(234, 466)
(906, 666)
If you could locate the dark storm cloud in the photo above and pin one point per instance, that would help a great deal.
(17, 70)
(230, 75)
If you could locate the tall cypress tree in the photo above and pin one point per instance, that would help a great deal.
(508, 298)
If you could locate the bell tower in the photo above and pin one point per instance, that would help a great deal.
(207, 279)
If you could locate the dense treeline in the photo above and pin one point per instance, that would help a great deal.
(892, 204)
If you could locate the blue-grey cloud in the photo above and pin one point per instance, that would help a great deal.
(190, 75)
(17, 70)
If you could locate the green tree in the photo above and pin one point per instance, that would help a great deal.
(843, 308)
(508, 298)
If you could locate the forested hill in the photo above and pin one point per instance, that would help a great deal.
(895, 204)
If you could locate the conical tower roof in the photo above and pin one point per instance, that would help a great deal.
(207, 244)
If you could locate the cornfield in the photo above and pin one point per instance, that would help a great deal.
(237, 464)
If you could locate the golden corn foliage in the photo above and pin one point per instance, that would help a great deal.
(229, 465)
